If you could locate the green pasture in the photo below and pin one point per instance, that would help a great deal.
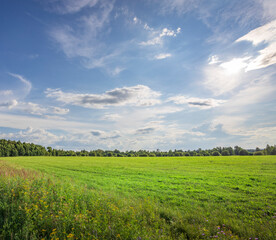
(237, 192)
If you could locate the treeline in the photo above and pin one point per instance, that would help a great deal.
(16, 148)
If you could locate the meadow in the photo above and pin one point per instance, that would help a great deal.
(138, 198)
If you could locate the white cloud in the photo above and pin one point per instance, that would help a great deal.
(179, 6)
(139, 95)
(135, 20)
(219, 81)
(256, 92)
(146, 130)
(21, 121)
(33, 108)
(244, 114)
(70, 6)
(159, 35)
(234, 66)
(111, 117)
(162, 56)
(147, 27)
(27, 84)
(213, 60)
(38, 136)
(224, 76)
(265, 34)
(231, 124)
(269, 9)
(8, 104)
(83, 39)
(267, 57)
(117, 70)
(202, 103)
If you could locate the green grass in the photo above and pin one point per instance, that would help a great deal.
(188, 197)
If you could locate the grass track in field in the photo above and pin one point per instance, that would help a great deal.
(234, 190)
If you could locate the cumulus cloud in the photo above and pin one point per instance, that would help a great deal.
(9, 104)
(139, 95)
(159, 35)
(162, 56)
(202, 103)
(38, 136)
(105, 135)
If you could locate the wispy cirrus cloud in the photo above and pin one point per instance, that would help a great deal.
(139, 95)
(83, 39)
(32, 108)
(269, 9)
(69, 6)
(27, 85)
(179, 6)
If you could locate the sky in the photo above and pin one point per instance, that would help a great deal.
(130, 75)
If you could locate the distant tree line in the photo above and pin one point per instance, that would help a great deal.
(16, 148)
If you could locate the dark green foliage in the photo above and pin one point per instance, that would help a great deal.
(12, 148)
(216, 153)
(16, 148)
(259, 153)
(243, 152)
(225, 153)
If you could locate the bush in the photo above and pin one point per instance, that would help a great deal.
(243, 152)
(258, 153)
(225, 153)
(216, 153)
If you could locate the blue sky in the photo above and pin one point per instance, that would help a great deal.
(167, 74)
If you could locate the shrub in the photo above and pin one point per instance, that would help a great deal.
(258, 153)
(243, 152)
(216, 153)
(225, 153)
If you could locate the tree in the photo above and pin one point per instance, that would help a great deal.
(237, 150)
(225, 153)
(243, 152)
(216, 153)
(258, 153)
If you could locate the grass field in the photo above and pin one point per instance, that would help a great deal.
(161, 198)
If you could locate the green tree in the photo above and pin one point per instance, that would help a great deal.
(225, 153)
(243, 152)
(216, 153)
